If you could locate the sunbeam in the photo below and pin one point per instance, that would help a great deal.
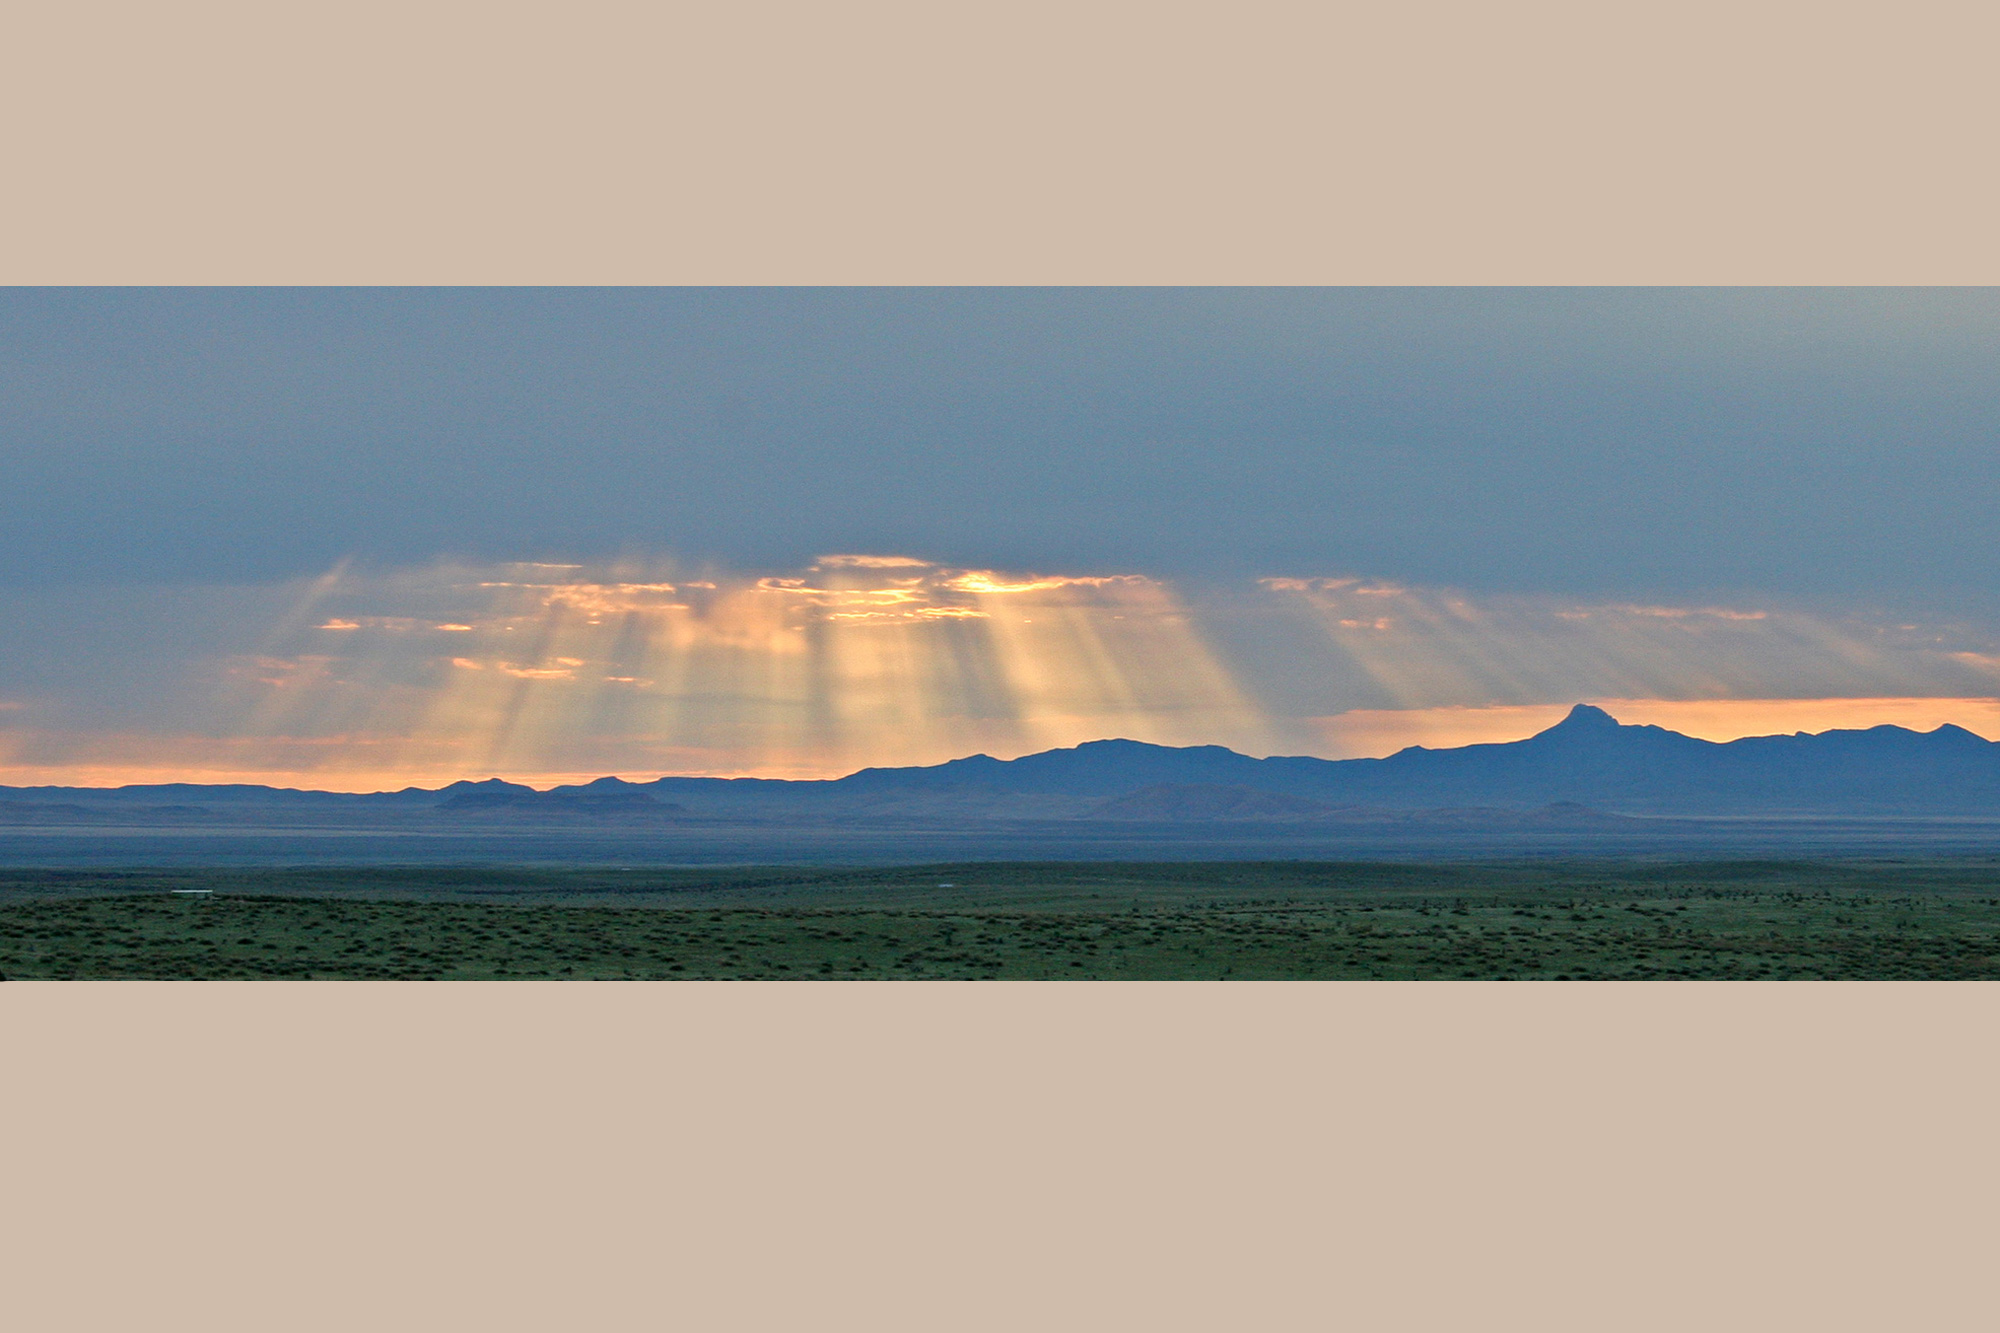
(559, 672)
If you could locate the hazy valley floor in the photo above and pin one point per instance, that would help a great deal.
(1911, 919)
(281, 839)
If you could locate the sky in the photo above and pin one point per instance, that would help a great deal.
(354, 539)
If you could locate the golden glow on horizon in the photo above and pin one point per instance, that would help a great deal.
(554, 673)
(561, 671)
(1373, 733)
(356, 763)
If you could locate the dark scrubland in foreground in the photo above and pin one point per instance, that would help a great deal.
(1762, 919)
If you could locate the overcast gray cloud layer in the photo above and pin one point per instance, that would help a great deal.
(1823, 445)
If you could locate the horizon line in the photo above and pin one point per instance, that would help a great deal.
(555, 782)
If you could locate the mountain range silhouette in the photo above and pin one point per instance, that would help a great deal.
(1587, 760)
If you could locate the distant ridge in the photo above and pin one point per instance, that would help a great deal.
(1589, 760)
(605, 796)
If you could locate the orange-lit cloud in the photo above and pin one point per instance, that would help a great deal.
(549, 672)
(903, 592)
(860, 660)
(397, 624)
(985, 582)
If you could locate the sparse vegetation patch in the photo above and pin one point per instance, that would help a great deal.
(1010, 920)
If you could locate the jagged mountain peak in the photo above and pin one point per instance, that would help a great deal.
(1584, 719)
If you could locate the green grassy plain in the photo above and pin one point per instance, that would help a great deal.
(1932, 919)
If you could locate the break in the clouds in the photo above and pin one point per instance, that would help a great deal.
(364, 537)
(553, 671)
(1833, 447)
